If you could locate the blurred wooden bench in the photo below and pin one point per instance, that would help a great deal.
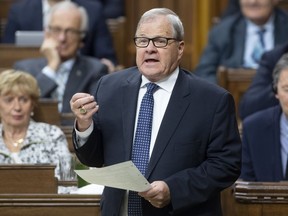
(260, 198)
(236, 81)
(47, 111)
(10, 53)
(28, 178)
(49, 204)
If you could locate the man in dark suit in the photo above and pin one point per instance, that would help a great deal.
(232, 42)
(265, 135)
(195, 148)
(28, 15)
(63, 72)
(260, 94)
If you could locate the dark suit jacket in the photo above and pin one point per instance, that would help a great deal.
(260, 94)
(226, 44)
(85, 73)
(113, 8)
(261, 157)
(197, 151)
(27, 15)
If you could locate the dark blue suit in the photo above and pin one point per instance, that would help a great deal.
(83, 77)
(113, 8)
(27, 15)
(197, 150)
(260, 94)
(227, 42)
(261, 157)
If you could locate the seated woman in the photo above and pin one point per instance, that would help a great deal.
(22, 140)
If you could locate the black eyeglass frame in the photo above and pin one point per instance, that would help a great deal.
(69, 31)
(153, 41)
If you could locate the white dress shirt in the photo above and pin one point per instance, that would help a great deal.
(60, 77)
(252, 38)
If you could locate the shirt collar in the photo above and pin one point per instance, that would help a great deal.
(166, 84)
(67, 64)
(268, 26)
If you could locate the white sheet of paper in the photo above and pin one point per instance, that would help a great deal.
(122, 175)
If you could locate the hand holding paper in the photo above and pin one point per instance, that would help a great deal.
(122, 175)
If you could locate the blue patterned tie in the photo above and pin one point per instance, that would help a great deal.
(259, 47)
(141, 146)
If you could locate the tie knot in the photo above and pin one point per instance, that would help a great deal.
(261, 32)
(151, 87)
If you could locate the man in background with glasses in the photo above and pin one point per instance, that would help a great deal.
(64, 71)
(31, 15)
(190, 148)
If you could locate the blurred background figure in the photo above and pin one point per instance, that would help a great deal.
(32, 15)
(240, 39)
(265, 135)
(64, 71)
(260, 94)
(22, 140)
(113, 8)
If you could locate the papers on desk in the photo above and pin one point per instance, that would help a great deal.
(122, 175)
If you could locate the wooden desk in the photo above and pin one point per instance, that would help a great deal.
(47, 111)
(49, 205)
(28, 178)
(10, 53)
(258, 199)
(236, 81)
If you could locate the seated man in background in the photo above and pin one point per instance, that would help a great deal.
(31, 15)
(265, 135)
(63, 71)
(239, 40)
(260, 94)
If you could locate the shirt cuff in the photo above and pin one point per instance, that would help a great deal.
(82, 137)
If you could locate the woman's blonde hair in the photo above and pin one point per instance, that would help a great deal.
(19, 82)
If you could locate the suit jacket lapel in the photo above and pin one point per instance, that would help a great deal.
(276, 145)
(174, 112)
(130, 93)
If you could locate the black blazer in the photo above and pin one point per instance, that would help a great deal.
(261, 146)
(83, 77)
(197, 150)
(27, 15)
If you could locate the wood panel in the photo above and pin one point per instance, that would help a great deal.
(47, 111)
(197, 17)
(236, 81)
(261, 198)
(49, 205)
(9, 54)
(27, 178)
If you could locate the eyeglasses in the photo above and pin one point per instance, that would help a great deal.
(69, 32)
(158, 42)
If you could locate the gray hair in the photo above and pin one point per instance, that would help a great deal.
(178, 29)
(281, 65)
(66, 5)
